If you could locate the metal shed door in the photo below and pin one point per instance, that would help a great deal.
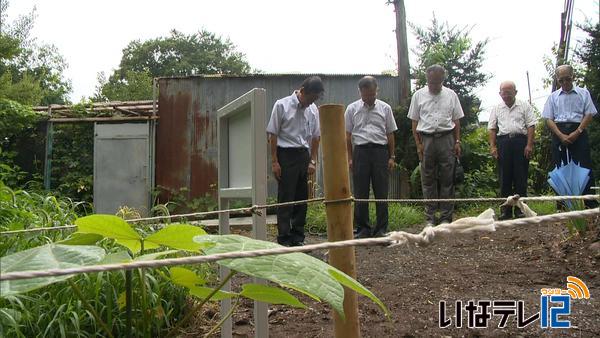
(122, 159)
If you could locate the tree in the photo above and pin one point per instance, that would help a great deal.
(454, 49)
(176, 55)
(588, 56)
(30, 73)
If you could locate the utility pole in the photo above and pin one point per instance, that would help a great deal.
(402, 47)
(528, 87)
(566, 23)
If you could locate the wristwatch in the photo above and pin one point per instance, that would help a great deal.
(313, 162)
(580, 130)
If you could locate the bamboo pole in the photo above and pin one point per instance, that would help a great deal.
(339, 215)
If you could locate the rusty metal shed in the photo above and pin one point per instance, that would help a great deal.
(186, 139)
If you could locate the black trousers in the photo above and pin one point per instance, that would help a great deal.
(513, 165)
(579, 152)
(370, 166)
(293, 186)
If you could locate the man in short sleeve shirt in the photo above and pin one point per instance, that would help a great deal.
(294, 136)
(511, 131)
(370, 127)
(568, 112)
(435, 112)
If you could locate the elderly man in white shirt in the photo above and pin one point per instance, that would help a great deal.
(435, 112)
(294, 139)
(370, 128)
(568, 112)
(511, 131)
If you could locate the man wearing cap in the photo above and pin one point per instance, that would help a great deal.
(435, 112)
(511, 131)
(370, 127)
(294, 136)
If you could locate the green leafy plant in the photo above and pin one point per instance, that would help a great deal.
(318, 279)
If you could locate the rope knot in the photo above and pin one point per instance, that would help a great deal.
(256, 210)
(515, 201)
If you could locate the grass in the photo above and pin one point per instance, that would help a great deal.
(402, 216)
(54, 311)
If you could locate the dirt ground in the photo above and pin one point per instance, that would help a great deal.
(512, 264)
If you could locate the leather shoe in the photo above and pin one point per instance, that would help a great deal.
(519, 213)
(505, 213)
(379, 233)
(363, 234)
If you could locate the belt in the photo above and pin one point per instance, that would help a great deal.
(512, 135)
(372, 145)
(568, 124)
(438, 133)
(295, 149)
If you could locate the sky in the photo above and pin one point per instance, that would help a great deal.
(309, 36)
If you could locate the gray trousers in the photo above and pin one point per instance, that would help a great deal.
(370, 166)
(437, 174)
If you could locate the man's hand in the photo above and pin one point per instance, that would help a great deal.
(350, 164)
(391, 164)
(420, 151)
(457, 150)
(311, 168)
(276, 168)
(494, 152)
(564, 139)
(528, 151)
(573, 136)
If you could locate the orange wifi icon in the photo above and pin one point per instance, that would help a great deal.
(577, 288)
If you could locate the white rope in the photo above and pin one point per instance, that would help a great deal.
(480, 199)
(255, 208)
(483, 222)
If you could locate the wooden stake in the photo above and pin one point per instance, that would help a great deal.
(339, 215)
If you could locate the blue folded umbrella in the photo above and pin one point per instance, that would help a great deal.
(569, 179)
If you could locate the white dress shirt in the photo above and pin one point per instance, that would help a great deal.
(569, 106)
(369, 124)
(294, 126)
(512, 120)
(435, 113)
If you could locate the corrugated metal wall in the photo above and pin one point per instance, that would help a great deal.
(186, 141)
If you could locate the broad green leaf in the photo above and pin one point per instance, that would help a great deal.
(79, 238)
(297, 270)
(113, 227)
(270, 294)
(116, 258)
(177, 236)
(203, 292)
(154, 255)
(49, 256)
(185, 277)
(351, 283)
(191, 281)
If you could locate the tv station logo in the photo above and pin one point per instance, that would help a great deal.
(554, 309)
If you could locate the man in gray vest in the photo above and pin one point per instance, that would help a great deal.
(435, 112)
(370, 127)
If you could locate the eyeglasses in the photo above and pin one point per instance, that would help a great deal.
(565, 79)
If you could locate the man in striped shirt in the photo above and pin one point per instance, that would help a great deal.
(568, 111)
(511, 132)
